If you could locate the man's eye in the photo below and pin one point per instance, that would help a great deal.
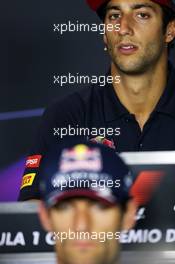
(62, 206)
(143, 15)
(114, 16)
(99, 206)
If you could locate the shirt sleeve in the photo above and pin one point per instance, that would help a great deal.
(68, 112)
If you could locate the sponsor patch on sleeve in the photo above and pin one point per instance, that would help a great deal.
(33, 161)
(27, 180)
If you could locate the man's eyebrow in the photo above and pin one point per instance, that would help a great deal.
(115, 7)
(138, 6)
(135, 6)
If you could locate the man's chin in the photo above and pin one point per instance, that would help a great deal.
(131, 68)
(81, 256)
(79, 259)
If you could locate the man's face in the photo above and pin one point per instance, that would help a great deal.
(85, 215)
(139, 43)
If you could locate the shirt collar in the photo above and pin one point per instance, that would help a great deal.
(114, 109)
(166, 103)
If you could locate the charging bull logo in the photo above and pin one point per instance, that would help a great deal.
(80, 157)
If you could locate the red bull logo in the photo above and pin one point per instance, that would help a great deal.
(81, 157)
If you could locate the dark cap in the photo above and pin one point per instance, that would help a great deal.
(85, 169)
(96, 4)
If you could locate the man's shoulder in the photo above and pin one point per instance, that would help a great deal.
(83, 94)
(77, 100)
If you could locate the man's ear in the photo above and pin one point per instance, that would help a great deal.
(43, 214)
(129, 217)
(170, 32)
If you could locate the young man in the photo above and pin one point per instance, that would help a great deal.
(86, 203)
(139, 53)
(137, 114)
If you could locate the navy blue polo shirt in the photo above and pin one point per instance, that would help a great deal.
(98, 107)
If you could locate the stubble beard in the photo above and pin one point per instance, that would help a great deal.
(139, 62)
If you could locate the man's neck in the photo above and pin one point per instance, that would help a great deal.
(141, 93)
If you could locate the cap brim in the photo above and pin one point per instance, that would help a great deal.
(96, 4)
(80, 193)
(168, 4)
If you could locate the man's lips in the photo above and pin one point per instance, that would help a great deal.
(127, 48)
(83, 244)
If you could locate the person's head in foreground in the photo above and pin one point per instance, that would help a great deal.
(147, 28)
(86, 202)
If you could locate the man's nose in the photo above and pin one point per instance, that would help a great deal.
(126, 26)
(82, 220)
